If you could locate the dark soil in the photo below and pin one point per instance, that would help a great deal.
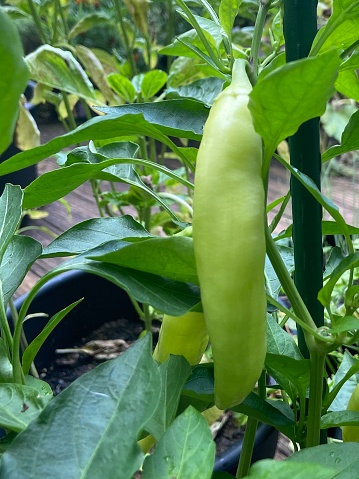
(103, 344)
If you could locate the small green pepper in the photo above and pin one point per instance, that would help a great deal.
(184, 335)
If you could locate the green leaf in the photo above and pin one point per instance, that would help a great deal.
(174, 373)
(185, 451)
(92, 427)
(13, 79)
(58, 68)
(91, 233)
(96, 72)
(122, 86)
(19, 406)
(152, 83)
(10, 214)
(35, 345)
(166, 295)
(345, 380)
(343, 458)
(349, 140)
(87, 22)
(204, 90)
(348, 83)
(181, 118)
(18, 258)
(171, 257)
(350, 261)
(268, 469)
(287, 255)
(268, 413)
(341, 30)
(333, 228)
(200, 384)
(6, 371)
(279, 341)
(339, 418)
(302, 96)
(345, 323)
(228, 10)
(155, 120)
(288, 371)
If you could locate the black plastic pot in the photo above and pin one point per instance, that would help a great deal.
(104, 301)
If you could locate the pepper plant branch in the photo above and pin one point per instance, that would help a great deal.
(317, 361)
(257, 34)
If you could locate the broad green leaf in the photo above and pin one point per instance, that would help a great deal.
(185, 451)
(342, 29)
(339, 418)
(10, 214)
(168, 296)
(268, 469)
(345, 380)
(345, 323)
(228, 10)
(343, 458)
(56, 184)
(205, 90)
(155, 120)
(288, 371)
(171, 257)
(348, 83)
(336, 118)
(287, 255)
(58, 68)
(349, 140)
(35, 345)
(201, 383)
(19, 406)
(333, 228)
(27, 132)
(182, 118)
(350, 261)
(6, 372)
(92, 426)
(91, 233)
(279, 341)
(13, 79)
(96, 71)
(179, 47)
(18, 258)
(87, 22)
(174, 373)
(302, 96)
(152, 83)
(266, 412)
(122, 86)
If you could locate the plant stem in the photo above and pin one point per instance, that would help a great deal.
(247, 449)
(70, 115)
(317, 361)
(288, 285)
(119, 18)
(257, 34)
(37, 21)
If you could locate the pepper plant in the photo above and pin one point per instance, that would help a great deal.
(289, 79)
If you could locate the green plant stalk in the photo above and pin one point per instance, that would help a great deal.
(289, 287)
(70, 114)
(62, 16)
(305, 155)
(250, 434)
(125, 38)
(317, 361)
(37, 21)
(257, 34)
(5, 328)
